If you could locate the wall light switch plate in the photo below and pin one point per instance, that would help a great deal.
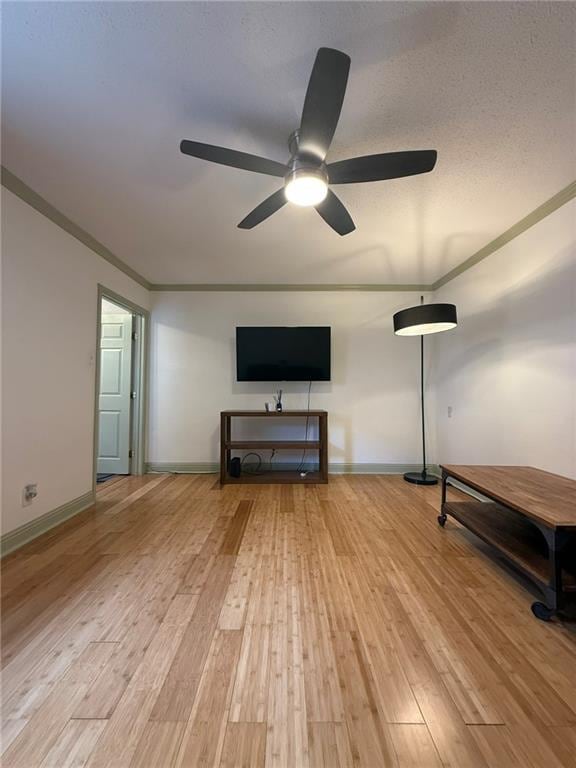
(449, 411)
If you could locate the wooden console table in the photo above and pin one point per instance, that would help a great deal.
(530, 521)
(227, 445)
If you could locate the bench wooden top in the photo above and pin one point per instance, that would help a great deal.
(546, 498)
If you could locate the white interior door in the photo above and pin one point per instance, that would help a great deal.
(114, 402)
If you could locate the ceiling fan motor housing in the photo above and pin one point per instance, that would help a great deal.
(299, 168)
(303, 165)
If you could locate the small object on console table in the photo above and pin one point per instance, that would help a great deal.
(278, 399)
(527, 509)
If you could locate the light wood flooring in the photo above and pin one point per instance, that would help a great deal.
(180, 624)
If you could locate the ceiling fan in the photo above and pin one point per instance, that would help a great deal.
(306, 175)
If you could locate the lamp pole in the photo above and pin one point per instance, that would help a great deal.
(416, 321)
(422, 398)
(422, 478)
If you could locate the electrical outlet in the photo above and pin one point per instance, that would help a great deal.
(449, 411)
(29, 494)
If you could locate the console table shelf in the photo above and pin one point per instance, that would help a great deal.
(320, 446)
(276, 476)
(274, 444)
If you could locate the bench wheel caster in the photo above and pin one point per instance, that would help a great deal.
(542, 611)
(442, 520)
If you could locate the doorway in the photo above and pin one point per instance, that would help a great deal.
(120, 387)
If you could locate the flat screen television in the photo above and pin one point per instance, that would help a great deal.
(283, 354)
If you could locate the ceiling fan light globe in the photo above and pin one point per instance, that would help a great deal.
(306, 189)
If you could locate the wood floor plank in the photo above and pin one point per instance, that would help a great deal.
(505, 673)
(151, 483)
(44, 603)
(322, 689)
(287, 740)
(333, 521)
(203, 738)
(124, 730)
(449, 732)
(105, 692)
(373, 612)
(235, 533)
(244, 746)
(180, 687)
(329, 746)
(75, 744)
(517, 747)
(158, 745)
(562, 740)
(250, 694)
(33, 673)
(177, 623)
(466, 673)
(370, 739)
(11, 727)
(414, 746)
(233, 613)
(44, 728)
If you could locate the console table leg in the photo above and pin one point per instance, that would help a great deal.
(323, 430)
(224, 439)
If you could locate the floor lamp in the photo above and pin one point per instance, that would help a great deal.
(419, 321)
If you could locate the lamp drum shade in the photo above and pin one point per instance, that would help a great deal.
(425, 318)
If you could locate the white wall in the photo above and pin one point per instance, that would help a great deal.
(372, 400)
(49, 310)
(509, 369)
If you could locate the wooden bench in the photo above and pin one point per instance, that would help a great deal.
(530, 519)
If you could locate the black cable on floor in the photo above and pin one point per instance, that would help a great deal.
(251, 471)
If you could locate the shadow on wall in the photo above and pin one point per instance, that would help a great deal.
(341, 442)
(540, 311)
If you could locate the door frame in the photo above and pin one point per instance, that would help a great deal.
(139, 383)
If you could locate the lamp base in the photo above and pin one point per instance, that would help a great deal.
(420, 478)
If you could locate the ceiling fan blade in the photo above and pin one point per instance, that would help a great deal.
(232, 158)
(335, 214)
(264, 210)
(390, 165)
(323, 102)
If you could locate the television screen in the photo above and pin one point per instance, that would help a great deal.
(283, 354)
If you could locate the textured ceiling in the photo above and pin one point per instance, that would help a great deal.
(97, 96)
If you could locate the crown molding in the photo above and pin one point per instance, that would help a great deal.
(544, 210)
(24, 192)
(287, 287)
(36, 201)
